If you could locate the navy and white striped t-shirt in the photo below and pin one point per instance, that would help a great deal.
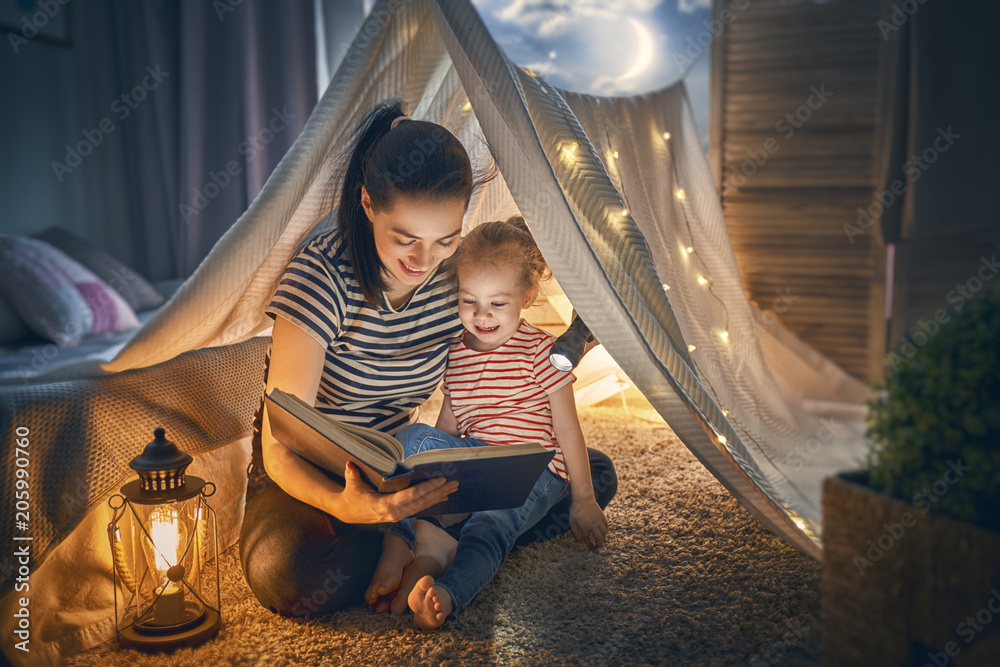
(381, 363)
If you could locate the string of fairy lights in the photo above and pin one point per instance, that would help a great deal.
(689, 251)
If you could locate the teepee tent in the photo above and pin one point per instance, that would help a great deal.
(618, 194)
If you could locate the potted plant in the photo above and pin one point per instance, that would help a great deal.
(911, 569)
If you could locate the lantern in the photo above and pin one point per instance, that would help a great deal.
(163, 533)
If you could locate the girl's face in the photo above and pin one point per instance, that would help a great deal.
(489, 304)
(414, 236)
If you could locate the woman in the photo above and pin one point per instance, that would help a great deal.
(363, 321)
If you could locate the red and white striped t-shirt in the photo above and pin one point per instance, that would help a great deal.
(502, 396)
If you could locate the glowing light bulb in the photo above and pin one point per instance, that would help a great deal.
(166, 537)
(722, 439)
(680, 194)
(466, 106)
(725, 413)
(724, 335)
(163, 550)
(616, 155)
(572, 149)
(800, 523)
(624, 212)
(702, 281)
(665, 287)
(691, 348)
(689, 249)
(666, 135)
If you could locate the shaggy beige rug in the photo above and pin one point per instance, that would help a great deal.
(689, 577)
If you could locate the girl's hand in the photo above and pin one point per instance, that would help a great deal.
(587, 521)
(359, 503)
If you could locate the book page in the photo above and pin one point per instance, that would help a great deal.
(470, 453)
(376, 449)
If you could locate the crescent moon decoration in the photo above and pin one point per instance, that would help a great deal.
(646, 49)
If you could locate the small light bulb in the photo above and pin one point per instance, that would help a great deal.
(466, 106)
(725, 413)
(689, 249)
(691, 348)
(624, 212)
(680, 194)
(666, 135)
(702, 281)
(722, 439)
(572, 149)
(724, 335)
(665, 287)
(616, 155)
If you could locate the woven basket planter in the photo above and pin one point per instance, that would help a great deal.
(904, 587)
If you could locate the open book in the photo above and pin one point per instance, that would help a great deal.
(489, 477)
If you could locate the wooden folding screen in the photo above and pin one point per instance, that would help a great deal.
(793, 140)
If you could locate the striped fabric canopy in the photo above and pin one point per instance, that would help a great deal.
(618, 194)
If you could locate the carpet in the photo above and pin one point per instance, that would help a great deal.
(689, 577)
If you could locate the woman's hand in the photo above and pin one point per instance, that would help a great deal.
(359, 503)
(588, 523)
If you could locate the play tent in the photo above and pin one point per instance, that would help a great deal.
(618, 194)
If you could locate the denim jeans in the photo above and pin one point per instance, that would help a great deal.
(487, 537)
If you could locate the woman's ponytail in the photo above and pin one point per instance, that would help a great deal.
(354, 227)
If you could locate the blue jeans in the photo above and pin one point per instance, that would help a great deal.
(487, 537)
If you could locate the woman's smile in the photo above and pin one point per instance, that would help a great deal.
(412, 271)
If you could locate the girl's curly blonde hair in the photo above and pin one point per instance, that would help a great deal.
(506, 243)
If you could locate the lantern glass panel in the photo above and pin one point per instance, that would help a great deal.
(169, 545)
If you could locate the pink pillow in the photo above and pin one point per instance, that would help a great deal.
(40, 293)
(112, 314)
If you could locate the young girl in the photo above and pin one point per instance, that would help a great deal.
(499, 389)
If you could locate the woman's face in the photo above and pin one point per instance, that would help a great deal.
(414, 236)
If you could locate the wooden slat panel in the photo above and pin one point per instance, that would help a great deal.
(786, 218)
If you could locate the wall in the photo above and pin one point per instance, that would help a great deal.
(37, 120)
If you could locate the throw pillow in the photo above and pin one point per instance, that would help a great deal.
(139, 294)
(112, 314)
(12, 329)
(43, 296)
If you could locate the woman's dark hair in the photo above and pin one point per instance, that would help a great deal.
(416, 159)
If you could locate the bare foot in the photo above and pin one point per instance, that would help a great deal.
(432, 554)
(430, 604)
(396, 555)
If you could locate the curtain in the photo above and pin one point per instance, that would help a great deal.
(202, 100)
(938, 116)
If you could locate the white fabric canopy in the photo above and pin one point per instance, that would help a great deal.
(768, 416)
